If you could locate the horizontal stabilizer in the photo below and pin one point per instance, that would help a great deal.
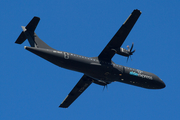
(33, 24)
(30, 27)
(21, 38)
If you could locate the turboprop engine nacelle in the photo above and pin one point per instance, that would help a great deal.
(124, 52)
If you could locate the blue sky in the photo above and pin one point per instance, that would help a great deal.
(32, 88)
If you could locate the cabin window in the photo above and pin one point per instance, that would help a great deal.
(59, 52)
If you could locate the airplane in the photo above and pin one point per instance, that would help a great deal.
(100, 70)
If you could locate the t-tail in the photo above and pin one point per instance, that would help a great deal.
(28, 33)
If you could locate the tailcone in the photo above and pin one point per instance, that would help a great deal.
(47, 54)
(34, 50)
(44, 53)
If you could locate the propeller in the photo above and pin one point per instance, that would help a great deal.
(130, 51)
(105, 86)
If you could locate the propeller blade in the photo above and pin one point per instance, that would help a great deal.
(131, 58)
(127, 59)
(130, 52)
(105, 86)
(132, 46)
(133, 51)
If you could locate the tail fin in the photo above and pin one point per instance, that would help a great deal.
(28, 33)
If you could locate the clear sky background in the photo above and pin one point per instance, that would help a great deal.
(31, 88)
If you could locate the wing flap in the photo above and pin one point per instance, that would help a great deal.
(79, 88)
(119, 37)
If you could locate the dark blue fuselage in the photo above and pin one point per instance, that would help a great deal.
(100, 70)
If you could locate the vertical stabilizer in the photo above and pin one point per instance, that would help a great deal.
(28, 33)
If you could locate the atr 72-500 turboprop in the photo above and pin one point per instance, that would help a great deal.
(100, 70)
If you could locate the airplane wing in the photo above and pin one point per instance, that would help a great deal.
(80, 87)
(119, 37)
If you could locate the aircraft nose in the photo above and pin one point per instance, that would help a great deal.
(161, 84)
